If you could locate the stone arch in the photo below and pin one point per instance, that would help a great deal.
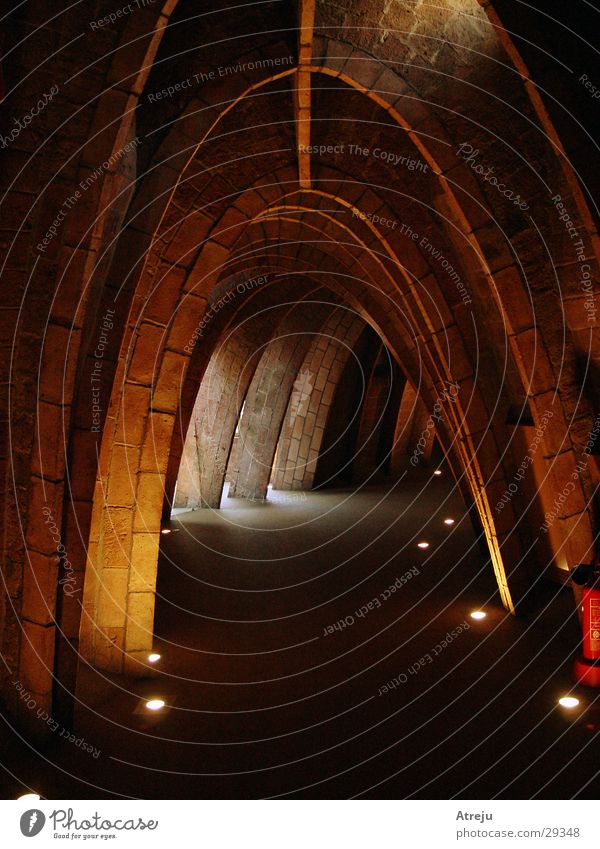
(471, 460)
(223, 391)
(67, 279)
(504, 276)
(305, 422)
(269, 395)
(134, 381)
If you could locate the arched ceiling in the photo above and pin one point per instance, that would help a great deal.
(385, 150)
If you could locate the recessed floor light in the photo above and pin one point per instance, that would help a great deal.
(423, 545)
(30, 797)
(438, 472)
(154, 657)
(155, 704)
(478, 614)
(568, 702)
(165, 530)
(448, 521)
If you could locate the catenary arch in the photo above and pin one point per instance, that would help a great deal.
(81, 455)
(148, 609)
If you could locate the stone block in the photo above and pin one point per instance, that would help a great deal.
(112, 598)
(140, 622)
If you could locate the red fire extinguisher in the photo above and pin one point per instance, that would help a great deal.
(587, 665)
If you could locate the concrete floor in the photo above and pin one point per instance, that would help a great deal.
(263, 702)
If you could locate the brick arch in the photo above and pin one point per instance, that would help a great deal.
(66, 279)
(525, 343)
(244, 94)
(433, 395)
(243, 261)
(230, 261)
(269, 394)
(306, 418)
(569, 545)
(224, 388)
(151, 436)
(147, 499)
(121, 575)
(415, 318)
(471, 420)
(119, 600)
(77, 269)
(495, 484)
(174, 361)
